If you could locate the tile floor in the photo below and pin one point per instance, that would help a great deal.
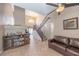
(35, 48)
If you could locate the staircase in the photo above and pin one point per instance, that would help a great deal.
(38, 28)
(41, 34)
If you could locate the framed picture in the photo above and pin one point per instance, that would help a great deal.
(71, 23)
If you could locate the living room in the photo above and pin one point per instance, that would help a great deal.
(60, 25)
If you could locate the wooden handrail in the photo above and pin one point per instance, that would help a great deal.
(45, 20)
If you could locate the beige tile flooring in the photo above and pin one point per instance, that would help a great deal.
(35, 48)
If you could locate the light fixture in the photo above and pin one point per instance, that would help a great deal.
(31, 21)
(60, 8)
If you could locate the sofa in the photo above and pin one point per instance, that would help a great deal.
(67, 46)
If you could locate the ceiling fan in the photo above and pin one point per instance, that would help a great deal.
(62, 6)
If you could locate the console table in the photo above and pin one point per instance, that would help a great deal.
(17, 40)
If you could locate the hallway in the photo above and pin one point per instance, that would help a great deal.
(35, 48)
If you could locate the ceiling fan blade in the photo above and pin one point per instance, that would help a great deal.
(72, 4)
(51, 4)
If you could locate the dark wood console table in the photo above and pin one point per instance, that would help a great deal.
(12, 41)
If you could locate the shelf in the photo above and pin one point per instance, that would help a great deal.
(13, 42)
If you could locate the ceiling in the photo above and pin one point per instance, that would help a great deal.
(40, 8)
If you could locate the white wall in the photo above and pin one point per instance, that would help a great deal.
(48, 28)
(56, 26)
(53, 17)
(58, 23)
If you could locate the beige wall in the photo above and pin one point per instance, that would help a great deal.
(19, 15)
(1, 41)
(38, 17)
(6, 14)
(1, 13)
(27, 18)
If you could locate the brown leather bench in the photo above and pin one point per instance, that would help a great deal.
(65, 45)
